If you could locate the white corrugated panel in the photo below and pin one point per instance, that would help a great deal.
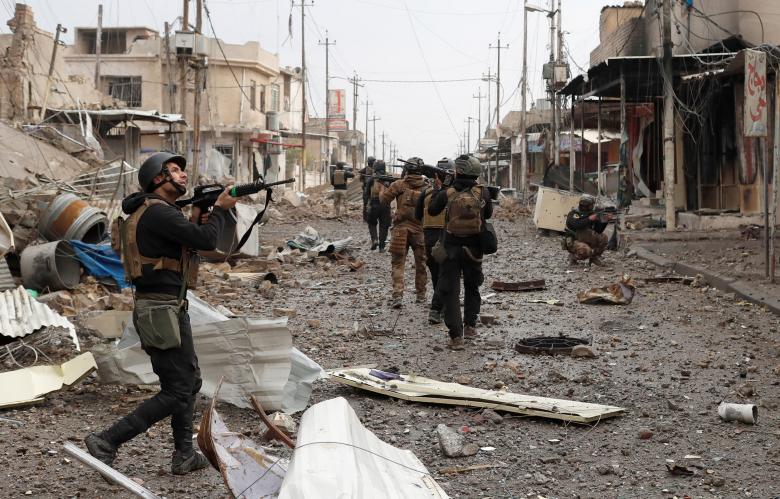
(6, 279)
(336, 456)
(21, 314)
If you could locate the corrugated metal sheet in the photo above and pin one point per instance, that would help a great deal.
(336, 456)
(6, 279)
(21, 314)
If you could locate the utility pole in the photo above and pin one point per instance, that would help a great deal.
(489, 78)
(60, 30)
(367, 120)
(185, 26)
(499, 47)
(671, 222)
(355, 81)
(169, 71)
(558, 106)
(98, 45)
(479, 98)
(468, 121)
(373, 141)
(327, 45)
(523, 107)
(775, 181)
(303, 6)
(198, 62)
(384, 158)
(556, 135)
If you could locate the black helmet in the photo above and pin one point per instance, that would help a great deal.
(587, 202)
(380, 166)
(340, 165)
(153, 166)
(446, 164)
(371, 160)
(414, 164)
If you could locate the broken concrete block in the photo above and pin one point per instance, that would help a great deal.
(453, 444)
(314, 323)
(121, 301)
(289, 312)
(487, 319)
(583, 351)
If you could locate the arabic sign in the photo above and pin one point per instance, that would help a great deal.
(337, 104)
(755, 94)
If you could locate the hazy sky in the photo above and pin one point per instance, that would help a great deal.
(380, 40)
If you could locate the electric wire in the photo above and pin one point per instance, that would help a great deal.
(222, 51)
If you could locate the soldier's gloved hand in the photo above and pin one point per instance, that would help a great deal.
(225, 200)
(593, 217)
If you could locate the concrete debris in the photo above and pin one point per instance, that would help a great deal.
(29, 385)
(110, 323)
(453, 444)
(21, 314)
(584, 351)
(336, 456)
(619, 293)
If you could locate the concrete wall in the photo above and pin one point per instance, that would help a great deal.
(619, 33)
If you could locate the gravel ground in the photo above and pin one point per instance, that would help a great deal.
(668, 358)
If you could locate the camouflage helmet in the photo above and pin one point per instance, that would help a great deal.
(414, 164)
(468, 165)
(446, 164)
(587, 202)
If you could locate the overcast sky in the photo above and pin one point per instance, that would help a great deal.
(380, 40)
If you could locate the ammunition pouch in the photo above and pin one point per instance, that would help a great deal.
(157, 322)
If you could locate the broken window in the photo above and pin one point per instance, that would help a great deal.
(125, 88)
(111, 41)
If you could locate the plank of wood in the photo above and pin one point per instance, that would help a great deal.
(451, 470)
(534, 285)
(420, 389)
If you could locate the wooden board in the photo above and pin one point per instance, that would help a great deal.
(419, 389)
(534, 285)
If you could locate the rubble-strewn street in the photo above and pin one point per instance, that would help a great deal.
(669, 358)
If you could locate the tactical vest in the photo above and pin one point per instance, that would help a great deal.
(406, 202)
(339, 178)
(430, 221)
(464, 211)
(376, 189)
(124, 241)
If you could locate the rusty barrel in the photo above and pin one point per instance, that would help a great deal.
(70, 217)
(50, 266)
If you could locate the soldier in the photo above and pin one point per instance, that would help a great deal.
(378, 213)
(466, 206)
(338, 179)
(585, 238)
(365, 173)
(432, 229)
(156, 240)
(407, 230)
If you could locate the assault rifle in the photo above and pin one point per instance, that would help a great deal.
(606, 215)
(205, 196)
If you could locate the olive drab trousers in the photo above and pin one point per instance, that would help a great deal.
(402, 237)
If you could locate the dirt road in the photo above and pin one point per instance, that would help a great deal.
(669, 358)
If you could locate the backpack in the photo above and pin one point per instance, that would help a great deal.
(339, 177)
(464, 211)
(406, 204)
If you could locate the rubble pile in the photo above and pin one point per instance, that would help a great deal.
(510, 209)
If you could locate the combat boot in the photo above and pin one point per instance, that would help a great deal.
(382, 247)
(397, 302)
(434, 316)
(101, 449)
(374, 245)
(469, 331)
(184, 463)
(456, 343)
(421, 298)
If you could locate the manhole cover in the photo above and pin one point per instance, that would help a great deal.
(549, 344)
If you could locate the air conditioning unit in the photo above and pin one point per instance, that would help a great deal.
(184, 41)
